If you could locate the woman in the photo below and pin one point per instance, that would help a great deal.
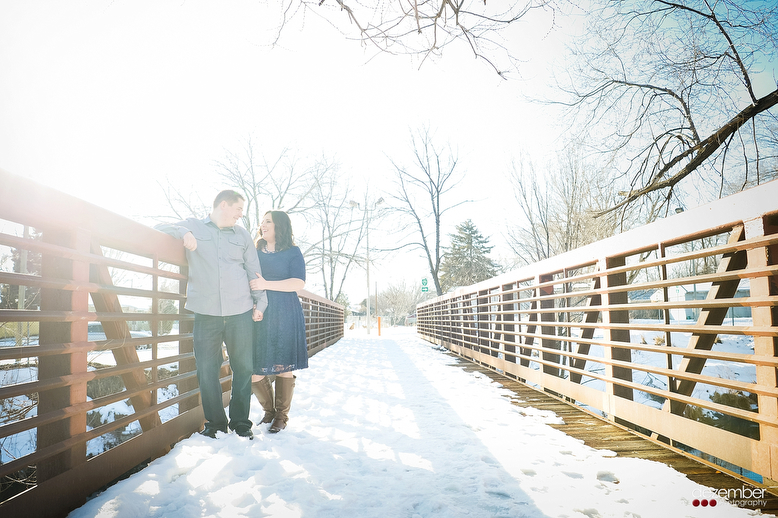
(280, 347)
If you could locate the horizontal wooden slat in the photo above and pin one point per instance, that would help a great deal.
(20, 315)
(13, 353)
(68, 253)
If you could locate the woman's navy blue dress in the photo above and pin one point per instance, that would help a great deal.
(279, 338)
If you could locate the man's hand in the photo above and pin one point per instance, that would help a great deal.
(190, 243)
(257, 315)
(258, 283)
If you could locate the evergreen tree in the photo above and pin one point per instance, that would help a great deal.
(465, 261)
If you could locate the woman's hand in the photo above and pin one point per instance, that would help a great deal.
(257, 315)
(288, 285)
(259, 283)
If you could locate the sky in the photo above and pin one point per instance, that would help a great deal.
(108, 100)
(390, 426)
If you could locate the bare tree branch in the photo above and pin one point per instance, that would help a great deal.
(698, 154)
(558, 207)
(424, 28)
(341, 232)
(653, 77)
(419, 196)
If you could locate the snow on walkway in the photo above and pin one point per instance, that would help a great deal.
(387, 427)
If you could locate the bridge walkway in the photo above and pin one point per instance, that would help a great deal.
(601, 434)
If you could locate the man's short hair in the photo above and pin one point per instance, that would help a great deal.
(230, 196)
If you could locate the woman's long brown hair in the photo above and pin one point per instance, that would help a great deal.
(284, 234)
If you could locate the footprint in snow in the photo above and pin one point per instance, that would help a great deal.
(607, 476)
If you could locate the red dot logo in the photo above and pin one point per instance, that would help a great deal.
(712, 503)
(704, 503)
(696, 503)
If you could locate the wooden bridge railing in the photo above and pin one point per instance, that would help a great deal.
(669, 329)
(97, 373)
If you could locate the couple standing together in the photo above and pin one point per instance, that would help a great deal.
(244, 295)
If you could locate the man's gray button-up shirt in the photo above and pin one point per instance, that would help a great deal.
(220, 268)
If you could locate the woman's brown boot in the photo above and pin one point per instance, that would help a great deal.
(284, 392)
(263, 390)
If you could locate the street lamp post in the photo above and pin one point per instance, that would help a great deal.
(367, 211)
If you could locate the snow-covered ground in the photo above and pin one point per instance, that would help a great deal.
(389, 427)
(740, 344)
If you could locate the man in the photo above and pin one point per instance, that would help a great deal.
(222, 259)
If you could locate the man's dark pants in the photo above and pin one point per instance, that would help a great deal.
(236, 333)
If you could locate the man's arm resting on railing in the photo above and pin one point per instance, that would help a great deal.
(179, 231)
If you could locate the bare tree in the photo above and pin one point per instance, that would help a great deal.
(399, 300)
(560, 208)
(284, 182)
(312, 189)
(420, 190)
(281, 183)
(422, 29)
(183, 204)
(666, 89)
(530, 241)
(340, 231)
